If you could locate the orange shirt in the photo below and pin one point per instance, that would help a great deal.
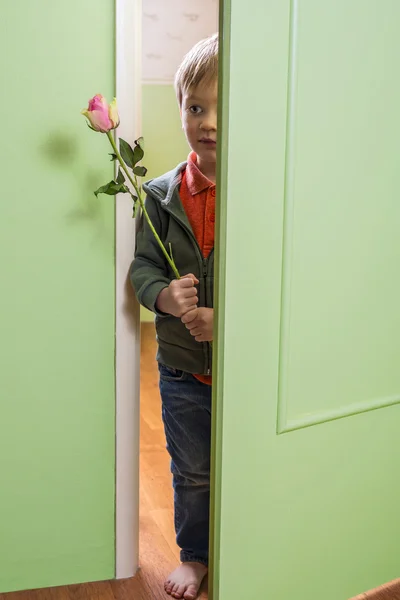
(197, 194)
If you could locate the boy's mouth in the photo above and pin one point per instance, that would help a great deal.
(208, 141)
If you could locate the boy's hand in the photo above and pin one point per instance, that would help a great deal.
(179, 297)
(200, 323)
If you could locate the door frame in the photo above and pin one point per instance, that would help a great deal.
(219, 295)
(128, 26)
(128, 81)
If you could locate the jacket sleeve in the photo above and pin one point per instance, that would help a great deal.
(148, 272)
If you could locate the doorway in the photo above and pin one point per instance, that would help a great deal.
(167, 33)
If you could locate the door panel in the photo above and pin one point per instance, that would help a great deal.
(309, 290)
(340, 293)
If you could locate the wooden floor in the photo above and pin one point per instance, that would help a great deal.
(159, 554)
(390, 591)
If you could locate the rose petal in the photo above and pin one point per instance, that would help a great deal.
(98, 102)
(98, 120)
(113, 113)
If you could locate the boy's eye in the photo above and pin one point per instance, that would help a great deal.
(195, 110)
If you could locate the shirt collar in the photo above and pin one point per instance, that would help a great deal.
(196, 181)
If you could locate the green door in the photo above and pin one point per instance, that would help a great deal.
(57, 381)
(308, 450)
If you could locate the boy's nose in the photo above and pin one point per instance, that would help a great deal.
(209, 124)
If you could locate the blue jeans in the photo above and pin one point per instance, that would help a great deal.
(186, 411)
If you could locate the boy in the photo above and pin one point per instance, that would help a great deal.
(181, 205)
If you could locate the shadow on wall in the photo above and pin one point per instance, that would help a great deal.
(62, 151)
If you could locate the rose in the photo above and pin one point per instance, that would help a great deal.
(102, 117)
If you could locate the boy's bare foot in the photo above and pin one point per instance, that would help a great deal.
(186, 580)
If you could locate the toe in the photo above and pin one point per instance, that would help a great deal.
(174, 592)
(191, 593)
(168, 587)
(180, 591)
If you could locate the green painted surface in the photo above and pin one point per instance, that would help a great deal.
(220, 299)
(311, 513)
(57, 298)
(166, 144)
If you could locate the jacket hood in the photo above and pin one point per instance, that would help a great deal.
(162, 188)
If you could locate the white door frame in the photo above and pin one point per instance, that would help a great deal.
(128, 20)
(128, 32)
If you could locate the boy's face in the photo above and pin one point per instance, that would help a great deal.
(199, 120)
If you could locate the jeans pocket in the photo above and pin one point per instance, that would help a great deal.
(170, 374)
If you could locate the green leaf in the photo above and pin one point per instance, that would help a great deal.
(138, 154)
(121, 177)
(113, 156)
(140, 171)
(131, 157)
(140, 142)
(136, 205)
(126, 153)
(112, 188)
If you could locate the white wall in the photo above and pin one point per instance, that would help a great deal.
(170, 29)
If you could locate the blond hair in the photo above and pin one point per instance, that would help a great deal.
(199, 65)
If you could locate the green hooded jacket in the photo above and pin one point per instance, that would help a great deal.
(150, 272)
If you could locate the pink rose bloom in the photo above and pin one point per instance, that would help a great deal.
(101, 116)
